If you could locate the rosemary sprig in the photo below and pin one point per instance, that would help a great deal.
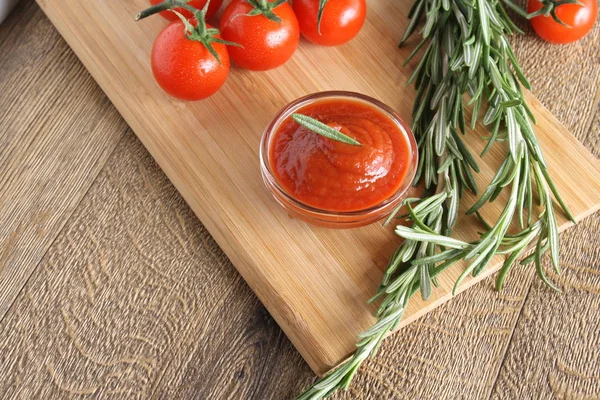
(487, 60)
(322, 129)
(466, 51)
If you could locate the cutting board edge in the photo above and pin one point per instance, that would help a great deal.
(233, 255)
(470, 282)
(314, 363)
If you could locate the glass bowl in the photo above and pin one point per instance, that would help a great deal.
(326, 218)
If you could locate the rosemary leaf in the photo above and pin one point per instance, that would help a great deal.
(467, 55)
(322, 129)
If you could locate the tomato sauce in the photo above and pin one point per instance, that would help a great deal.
(335, 176)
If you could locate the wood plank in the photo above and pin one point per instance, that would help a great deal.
(132, 280)
(46, 353)
(554, 352)
(457, 350)
(45, 169)
(204, 149)
(554, 349)
(453, 352)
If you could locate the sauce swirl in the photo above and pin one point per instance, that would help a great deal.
(334, 176)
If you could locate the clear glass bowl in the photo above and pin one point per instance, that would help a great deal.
(334, 219)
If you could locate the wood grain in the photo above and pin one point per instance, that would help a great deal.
(456, 351)
(554, 350)
(45, 169)
(314, 282)
(130, 290)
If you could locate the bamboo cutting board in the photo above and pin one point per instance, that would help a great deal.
(314, 281)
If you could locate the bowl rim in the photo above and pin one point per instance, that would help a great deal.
(282, 195)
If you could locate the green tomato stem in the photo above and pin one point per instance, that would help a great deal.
(164, 6)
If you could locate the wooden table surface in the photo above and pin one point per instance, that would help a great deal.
(111, 288)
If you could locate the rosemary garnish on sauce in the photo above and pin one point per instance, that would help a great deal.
(322, 129)
(466, 52)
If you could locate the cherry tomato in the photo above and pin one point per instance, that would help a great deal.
(341, 20)
(266, 43)
(184, 68)
(213, 7)
(580, 18)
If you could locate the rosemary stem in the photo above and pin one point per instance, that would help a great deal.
(466, 51)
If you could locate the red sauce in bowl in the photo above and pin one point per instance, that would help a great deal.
(335, 176)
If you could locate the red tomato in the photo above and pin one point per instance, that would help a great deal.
(341, 20)
(266, 43)
(213, 7)
(184, 68)
(581, 19)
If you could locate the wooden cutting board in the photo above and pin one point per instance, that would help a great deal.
(314, 281)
